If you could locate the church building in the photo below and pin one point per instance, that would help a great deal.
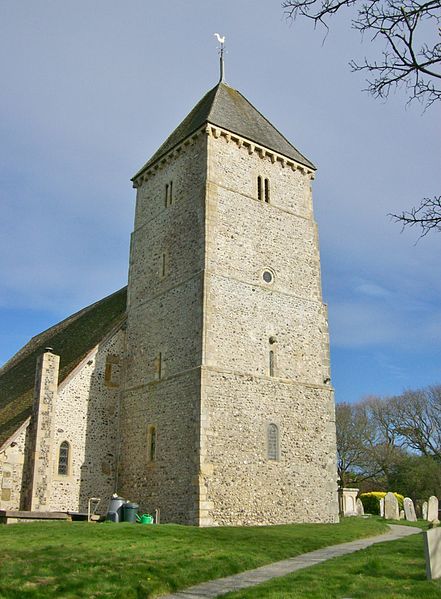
(203, 388)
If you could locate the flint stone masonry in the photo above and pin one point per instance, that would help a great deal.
(89, 425)
(211, 318)
(42, 432)
(84, 412)
(12, 458)
(213, 354)
(391, 509)
(432, 508)
(409, 510)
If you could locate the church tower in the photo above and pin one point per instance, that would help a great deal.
(227, 413)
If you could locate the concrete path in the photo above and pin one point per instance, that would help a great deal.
(222, 586)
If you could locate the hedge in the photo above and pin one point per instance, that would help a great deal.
(371, 501)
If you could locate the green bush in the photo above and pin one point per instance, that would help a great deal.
(371, 501)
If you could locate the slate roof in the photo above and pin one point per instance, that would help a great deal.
(227, 108)
(71, 339)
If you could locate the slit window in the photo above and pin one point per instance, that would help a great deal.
(169, 194)
(163, 265)
(112, 371)
(267, 191)
(159, 366)
(63, 459)
(152, 443)
(259, 188)
(271, 362)
(273, 442)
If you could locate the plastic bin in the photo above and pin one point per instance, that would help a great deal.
(129, 512)
(114, 513)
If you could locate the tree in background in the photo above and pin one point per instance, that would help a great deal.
(368, 450)
(392, 443)
(410, 60)
(418, 420)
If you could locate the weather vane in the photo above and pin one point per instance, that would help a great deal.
(221, 41)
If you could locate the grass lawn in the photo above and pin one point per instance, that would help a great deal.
(394, 570)
(125, 561)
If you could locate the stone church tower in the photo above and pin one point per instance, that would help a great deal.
(227, 413)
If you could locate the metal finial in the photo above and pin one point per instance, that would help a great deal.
(221, 40)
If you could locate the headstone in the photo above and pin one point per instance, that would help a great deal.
(382, 507)
(347, 499)
(391, 510)
(409, 510)
(432, 550)
(432, 509)
(425, 508)
(359, 507)
(402, 515)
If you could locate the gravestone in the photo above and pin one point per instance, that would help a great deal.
(425, 508)
(402, 515)
(347, 499)
(391, 510)
(432, 550)
(409, 510)
(359, 507)
(382, 507)
(432, 509)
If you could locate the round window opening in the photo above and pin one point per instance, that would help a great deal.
(268, 276)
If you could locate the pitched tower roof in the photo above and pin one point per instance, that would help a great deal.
(229, 109)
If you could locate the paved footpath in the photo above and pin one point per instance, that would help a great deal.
(249, 578)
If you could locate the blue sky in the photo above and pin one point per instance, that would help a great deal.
(91, 89)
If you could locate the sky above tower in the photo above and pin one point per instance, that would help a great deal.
(91, 90)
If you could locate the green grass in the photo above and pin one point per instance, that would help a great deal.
(393, 570)
(67, 560)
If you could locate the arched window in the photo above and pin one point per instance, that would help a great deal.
(63, 459)
(273, 442)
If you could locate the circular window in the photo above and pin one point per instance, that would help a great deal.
(268, 276)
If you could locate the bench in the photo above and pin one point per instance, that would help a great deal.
(13, 516)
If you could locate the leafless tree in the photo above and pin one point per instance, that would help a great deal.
(410, 59)
(410, 29)
(418, 420)
(427, 216)
(351, 425)
(367, 441)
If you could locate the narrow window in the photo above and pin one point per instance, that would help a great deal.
(271, 362)
(152, 443)
(259, 187)
(159, 365)
(63, 459)
(170, 202)
(267, 191)
(163, 265)
(166, 195)
(273, 442)
(112, 371)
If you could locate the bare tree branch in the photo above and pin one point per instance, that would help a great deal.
(409, 60)
(427, 216)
